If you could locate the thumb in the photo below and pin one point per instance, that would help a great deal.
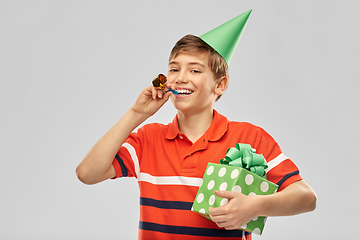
(164, 98)
(226, 194)
(167, 95)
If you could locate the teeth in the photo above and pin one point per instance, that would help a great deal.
(184, 91)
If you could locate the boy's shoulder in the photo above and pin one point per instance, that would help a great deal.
(154, 127)
(236, 124)
(244, 125)
(233, 128)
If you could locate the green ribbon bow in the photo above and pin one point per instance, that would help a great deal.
(244, 156)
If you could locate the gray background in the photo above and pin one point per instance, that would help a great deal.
(70, 69)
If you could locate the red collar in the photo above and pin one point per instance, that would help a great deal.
(216, 130)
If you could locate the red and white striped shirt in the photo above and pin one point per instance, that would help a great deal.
(169, 169)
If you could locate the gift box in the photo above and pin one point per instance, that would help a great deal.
(242, 170)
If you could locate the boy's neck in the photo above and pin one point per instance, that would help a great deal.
(195, 125)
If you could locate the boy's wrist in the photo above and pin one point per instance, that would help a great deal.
(260, 205)
(136, 117)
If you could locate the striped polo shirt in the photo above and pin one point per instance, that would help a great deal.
(169, 170)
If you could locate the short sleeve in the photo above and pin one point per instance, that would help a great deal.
(126, 162)
(281, 169)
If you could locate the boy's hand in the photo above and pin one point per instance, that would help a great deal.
(238, 211)
(150, 101)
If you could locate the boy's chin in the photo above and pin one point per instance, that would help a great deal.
(181, 108)
(187, 110)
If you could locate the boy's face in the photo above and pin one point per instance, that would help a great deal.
(193, 79)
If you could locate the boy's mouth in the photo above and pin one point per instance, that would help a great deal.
(184, 91)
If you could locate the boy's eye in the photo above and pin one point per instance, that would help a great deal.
(195, 71)
(173, 70)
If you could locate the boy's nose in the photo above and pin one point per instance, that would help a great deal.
(181, 78)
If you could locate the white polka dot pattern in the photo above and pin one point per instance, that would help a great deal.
(249, 179)
(200, 198)
(264, 186)
(229, 178)
(211, 184)
(212, 200)
(234, 173)
(222, 171)
(223, 186)
(224, 201)
(210, 170)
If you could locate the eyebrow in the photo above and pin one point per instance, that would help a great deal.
(191, 63)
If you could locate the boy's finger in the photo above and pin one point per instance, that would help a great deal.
(153, 92)
(156, 93)
(168, 94)
(226, 194)
(218, 211)
(169, 86)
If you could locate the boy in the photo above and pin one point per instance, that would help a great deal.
(169, 160)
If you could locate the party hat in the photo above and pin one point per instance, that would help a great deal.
(225, 38)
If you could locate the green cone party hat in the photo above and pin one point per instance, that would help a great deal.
(225, 38)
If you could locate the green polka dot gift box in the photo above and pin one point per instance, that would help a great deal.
(232, 175)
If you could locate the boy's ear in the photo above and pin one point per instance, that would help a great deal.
(221, 86)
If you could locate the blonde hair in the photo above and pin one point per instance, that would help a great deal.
(194, 45)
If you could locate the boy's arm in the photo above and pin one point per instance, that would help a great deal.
(97, 164)
(297, 198)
